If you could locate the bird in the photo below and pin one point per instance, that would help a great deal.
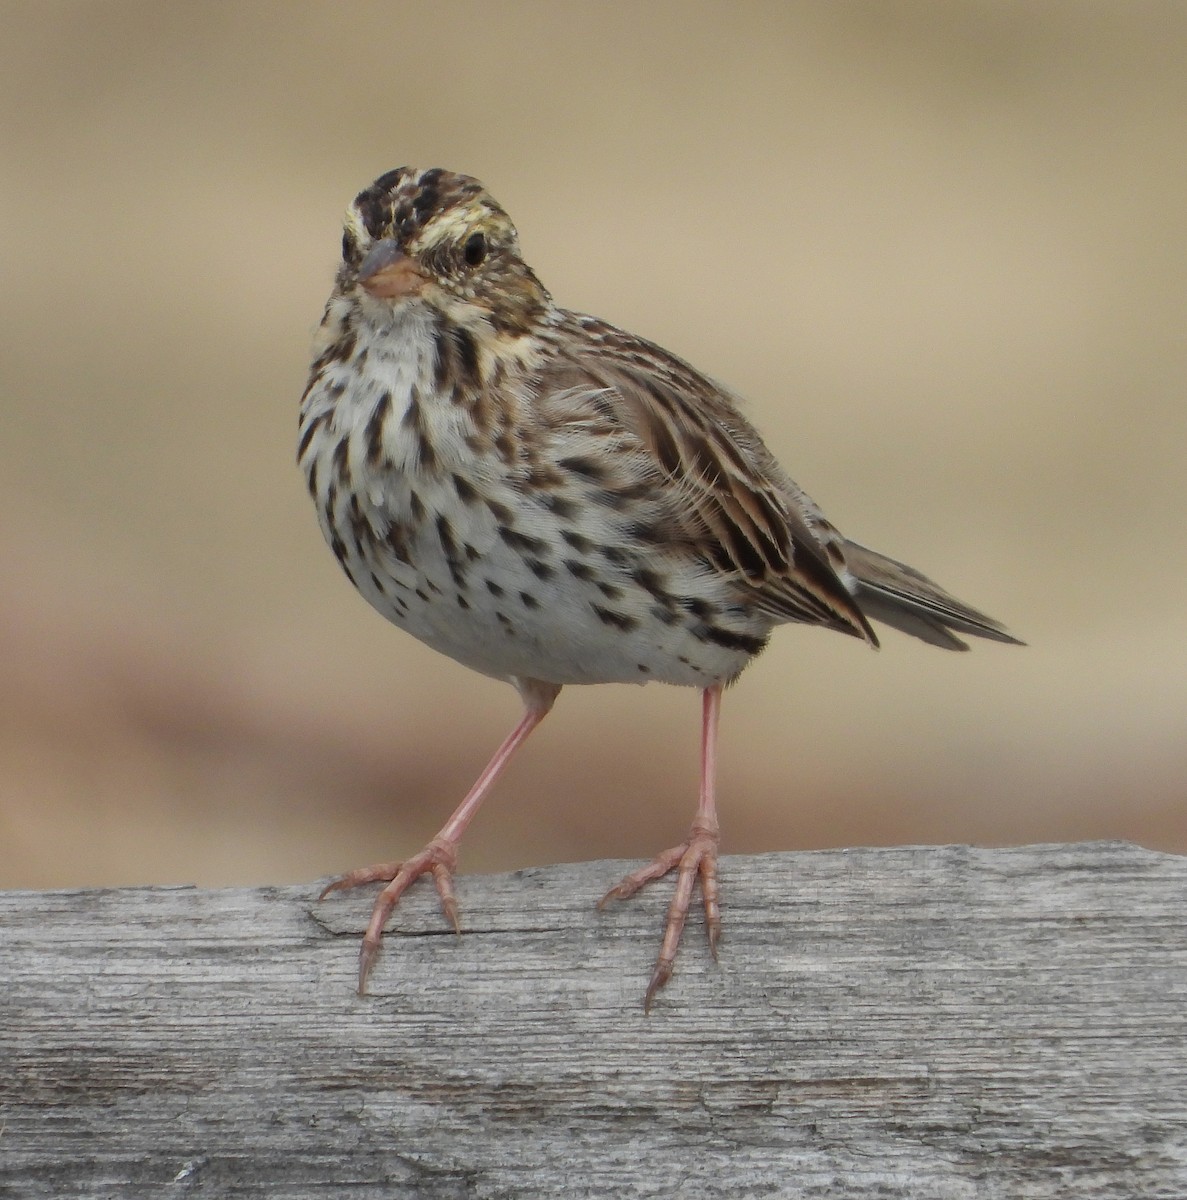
(551, 500)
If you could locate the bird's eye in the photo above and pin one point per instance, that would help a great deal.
(474, 251)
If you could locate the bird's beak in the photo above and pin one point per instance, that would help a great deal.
(389, 273)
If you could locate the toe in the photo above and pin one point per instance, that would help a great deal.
(656, 869)
(379, 873)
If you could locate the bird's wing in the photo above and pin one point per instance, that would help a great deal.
(724, 496)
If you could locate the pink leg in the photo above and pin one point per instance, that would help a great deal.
(439, 857)
(696, 857)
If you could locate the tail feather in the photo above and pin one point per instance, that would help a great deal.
(901, 597)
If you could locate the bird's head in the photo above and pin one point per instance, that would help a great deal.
(439, 239)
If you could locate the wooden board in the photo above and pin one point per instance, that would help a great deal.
(920, 1022)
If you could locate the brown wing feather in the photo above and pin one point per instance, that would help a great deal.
(730, 499)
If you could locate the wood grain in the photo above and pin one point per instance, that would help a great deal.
(920, 1022)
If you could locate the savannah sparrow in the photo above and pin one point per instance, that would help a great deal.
(551, 500)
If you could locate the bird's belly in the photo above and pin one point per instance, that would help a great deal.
(502, 587)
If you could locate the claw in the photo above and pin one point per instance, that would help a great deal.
(694, 859)
(438, 858)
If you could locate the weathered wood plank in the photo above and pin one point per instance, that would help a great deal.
(920, 1022)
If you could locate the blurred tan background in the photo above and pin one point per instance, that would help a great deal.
(939, 246)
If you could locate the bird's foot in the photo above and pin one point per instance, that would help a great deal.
(438, 858)
(693, 859)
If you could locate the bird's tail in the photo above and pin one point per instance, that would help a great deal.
(900, 596)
